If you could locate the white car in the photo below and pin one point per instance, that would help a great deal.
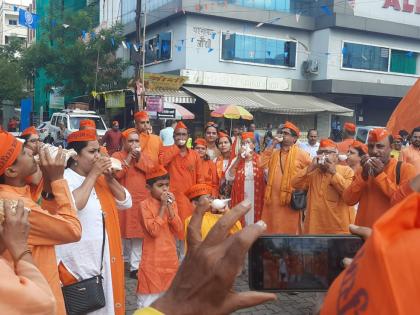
(71, 119)
(43, 129)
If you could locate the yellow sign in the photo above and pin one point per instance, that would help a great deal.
(154, 81)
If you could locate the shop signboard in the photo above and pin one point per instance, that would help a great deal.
(167, 113)
(154, 103)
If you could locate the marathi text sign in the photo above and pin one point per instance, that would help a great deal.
(167, 113)
(155, 81)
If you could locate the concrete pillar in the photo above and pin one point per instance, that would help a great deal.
(323, 124)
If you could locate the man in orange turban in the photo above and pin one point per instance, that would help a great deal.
(209, 167)
(47, 228)
(113, 138)
(380, 182)
(185, 169)
(412, 153)
(135, 164)
(150, 144)
(325, 181)
(282, 164)
(349, 132)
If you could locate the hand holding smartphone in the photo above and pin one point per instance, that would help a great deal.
(299, 263)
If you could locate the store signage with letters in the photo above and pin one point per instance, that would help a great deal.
(167, 113)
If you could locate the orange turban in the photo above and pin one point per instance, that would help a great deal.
(358, 145)
(350, 127)
(126, 132)
(223, 135)
(200, 141)
(327, 143)
(291, 126)
(156, 172)
(82, 135)
(9, 150)
(247, 135)
(142, 115)
(29, 131)
(378, 135)
(180, 125)
(382, 278)
(87, 123)
(397, 137)
(198, 190)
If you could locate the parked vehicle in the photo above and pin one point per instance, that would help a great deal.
(362, 132)
(71, 119)
(43, 129)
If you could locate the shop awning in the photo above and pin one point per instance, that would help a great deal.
(173, 96)
(270, 102)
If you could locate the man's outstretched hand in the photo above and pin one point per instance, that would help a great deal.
(204, 281)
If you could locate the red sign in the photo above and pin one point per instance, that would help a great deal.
(406, 5)
(154, 103)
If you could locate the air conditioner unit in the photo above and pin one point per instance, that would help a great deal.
(310, 66)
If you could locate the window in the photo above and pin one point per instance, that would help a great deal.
(358, 56)
(258, 50)
(12, 22)
(75, 122)
(54, 121)
(158, 48)
(404, 61)
(376, 58)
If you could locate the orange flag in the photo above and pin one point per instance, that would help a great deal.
(406, 115)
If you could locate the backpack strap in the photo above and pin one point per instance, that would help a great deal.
(398, 173)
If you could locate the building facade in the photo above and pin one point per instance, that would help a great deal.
(9, 21)
(285, 57)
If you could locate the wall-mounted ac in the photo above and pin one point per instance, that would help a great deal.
(310, 66)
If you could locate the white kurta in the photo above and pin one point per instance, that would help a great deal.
(248, 188)
(83, 258)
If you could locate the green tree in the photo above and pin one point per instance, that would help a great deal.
(79, 64)
(12, 81)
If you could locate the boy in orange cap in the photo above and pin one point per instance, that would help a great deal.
(135, 165)
(209, 167)
(162, 223)
(185, 169)
(325, 181)
(282, 164)
(47, 228)
(203, 193)
(380, 183)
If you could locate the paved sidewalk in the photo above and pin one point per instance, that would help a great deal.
(287, 304)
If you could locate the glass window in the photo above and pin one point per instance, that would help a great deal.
(403, 61)
(54, 121)
(258, 50)
(359, 56)
(12, 22)
(158, 48)
(75, 122)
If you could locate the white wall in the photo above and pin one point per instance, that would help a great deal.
(110, 12)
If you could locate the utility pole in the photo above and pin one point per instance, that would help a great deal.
(138, 33)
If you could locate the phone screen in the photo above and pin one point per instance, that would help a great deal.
(299, 263)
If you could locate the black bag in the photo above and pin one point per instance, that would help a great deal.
(298, 201)
(87, 295)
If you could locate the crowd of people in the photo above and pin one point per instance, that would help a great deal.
(164, 199)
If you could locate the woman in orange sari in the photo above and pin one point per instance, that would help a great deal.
(97, 195)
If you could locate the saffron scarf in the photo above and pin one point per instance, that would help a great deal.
(259, 186)
(288, 171)
(112, 227)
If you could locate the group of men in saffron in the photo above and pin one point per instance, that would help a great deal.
(148, 203)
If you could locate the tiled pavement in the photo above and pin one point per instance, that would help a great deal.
(287, 304)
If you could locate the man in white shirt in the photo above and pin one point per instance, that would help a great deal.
(312, 145)
(167, 134)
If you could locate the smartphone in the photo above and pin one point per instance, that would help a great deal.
(299, 263)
